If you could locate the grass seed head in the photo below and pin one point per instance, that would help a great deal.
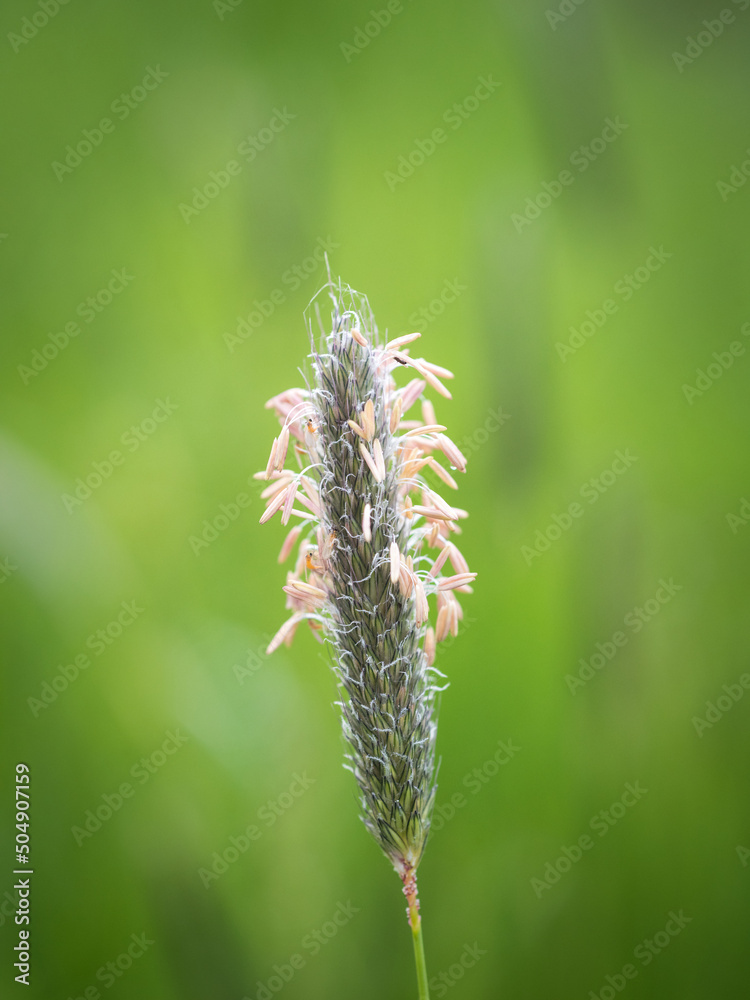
(365, 573)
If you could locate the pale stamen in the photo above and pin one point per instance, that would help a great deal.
(436, 369)
(368, 420)
(371, 463)
(411, 393)
(457, 560)
(426, 429)
(406, 580)
(272, 458)
(454, 609)
(366, 523)
(395, 416)
(291, 496)
(451, 452)
(282, 479)
(443, 624)
(274, 505)
(402, 341)
(437, 500)
(289, 543)
(440, 561)
(429, 376)
(441, 473)
(421, 607)
(433, 513)
(306, 590)
(287, 630)
(395, 556)
(429, 646)
(281, 449)
(428, 412)
(357, 429)
(378, 456)
(459, 580)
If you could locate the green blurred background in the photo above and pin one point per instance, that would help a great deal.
(190, 662)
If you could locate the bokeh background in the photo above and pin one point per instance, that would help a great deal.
(330, 118)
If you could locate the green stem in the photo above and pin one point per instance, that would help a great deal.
(416, 930)
(409, 878)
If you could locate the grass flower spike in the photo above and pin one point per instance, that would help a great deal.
(377, 574)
